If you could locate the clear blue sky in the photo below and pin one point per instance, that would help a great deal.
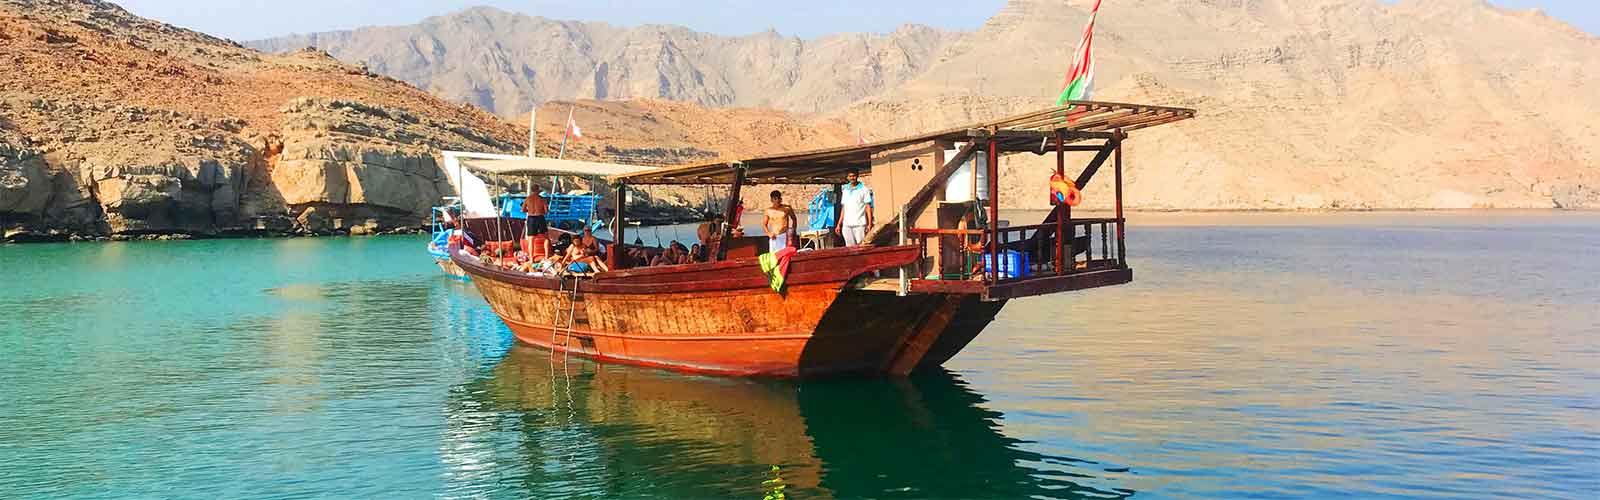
(252, 19)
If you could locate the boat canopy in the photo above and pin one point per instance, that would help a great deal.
(1077, 121)
(524, 166)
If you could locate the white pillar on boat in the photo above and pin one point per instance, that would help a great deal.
(905, 284)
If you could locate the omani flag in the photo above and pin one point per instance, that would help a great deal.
(1081, 74)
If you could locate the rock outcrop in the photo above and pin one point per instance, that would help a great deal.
(116, 126)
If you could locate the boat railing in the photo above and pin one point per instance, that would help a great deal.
(1023, 252)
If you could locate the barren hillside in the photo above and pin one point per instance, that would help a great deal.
(1306, 103)
(507, 62)
(111, 124)
(1332, 104)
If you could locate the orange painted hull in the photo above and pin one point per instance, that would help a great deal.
(722, 319)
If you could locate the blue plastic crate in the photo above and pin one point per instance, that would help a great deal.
(1013, 264)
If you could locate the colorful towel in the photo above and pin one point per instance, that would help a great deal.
(776, 265)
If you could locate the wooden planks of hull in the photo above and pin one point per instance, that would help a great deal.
(816, 328)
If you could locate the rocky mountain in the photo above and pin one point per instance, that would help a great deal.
(116, 126)
(1305, 104)
(506, 62)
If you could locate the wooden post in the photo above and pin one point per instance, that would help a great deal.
(729, 212)
(1063, 211)
(838, 211)
(994, 206)
(618, 228)
(1122, 253)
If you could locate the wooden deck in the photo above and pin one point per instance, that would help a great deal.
(1005, 289)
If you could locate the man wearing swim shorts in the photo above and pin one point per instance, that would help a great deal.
(535, 207)
(778, 222)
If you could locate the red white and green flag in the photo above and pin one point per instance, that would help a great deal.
(1081, 75)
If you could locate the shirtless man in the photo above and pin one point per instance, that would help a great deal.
(779, 223)
(535, 207)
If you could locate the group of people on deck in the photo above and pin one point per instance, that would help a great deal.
(585, 254)
(855, 216)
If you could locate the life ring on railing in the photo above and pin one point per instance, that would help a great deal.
(1064, 191)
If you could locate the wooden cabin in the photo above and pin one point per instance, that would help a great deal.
(945, 186)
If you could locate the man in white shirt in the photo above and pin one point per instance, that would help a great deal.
(855, 216)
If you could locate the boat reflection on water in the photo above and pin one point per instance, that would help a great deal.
(586, 429)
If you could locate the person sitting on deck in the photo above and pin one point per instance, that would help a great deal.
(711, 231)
(638, 257)
(778, 222)
(673, 255)
(581, 261)
(680, 254)
(521, 262)
(591, 244)
(553, 264)
(697, 253)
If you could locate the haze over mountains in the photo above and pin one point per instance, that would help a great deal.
(506, 62)
(1304, 103)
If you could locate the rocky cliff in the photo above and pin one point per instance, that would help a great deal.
(507, 62)
(1305, 104)
(116, 126)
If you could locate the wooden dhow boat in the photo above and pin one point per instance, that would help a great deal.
(935, 272)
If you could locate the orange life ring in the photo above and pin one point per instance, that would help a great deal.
(1074, 197)
(1064, 191)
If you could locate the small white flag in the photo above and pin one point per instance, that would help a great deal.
(572, 127)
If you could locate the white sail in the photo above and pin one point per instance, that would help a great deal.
(475, 200)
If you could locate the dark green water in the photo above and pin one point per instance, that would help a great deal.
(1273, 356)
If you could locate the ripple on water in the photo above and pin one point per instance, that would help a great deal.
(1289, 360)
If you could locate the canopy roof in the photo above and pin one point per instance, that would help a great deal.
(1078, 120)
(551, 166)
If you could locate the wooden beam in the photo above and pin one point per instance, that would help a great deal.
(618, 228)
(915, 344)
(730, 213)
(1122, 254)
(838, 208)
(1052, 284)
(1094, 165)
(1061, 239)
(1072, 149)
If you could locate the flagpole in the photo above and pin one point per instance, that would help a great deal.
(567, 131)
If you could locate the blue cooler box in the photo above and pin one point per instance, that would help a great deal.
(1013, 264)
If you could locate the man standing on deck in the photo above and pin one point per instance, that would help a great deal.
(778, 221)
(855, 214)
(535, 207)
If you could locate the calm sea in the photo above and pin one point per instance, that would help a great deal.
(1261, 356)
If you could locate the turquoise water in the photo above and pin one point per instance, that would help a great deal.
(1271, 356)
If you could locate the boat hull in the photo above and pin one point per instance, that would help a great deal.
(721, 319)
(449, 267)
